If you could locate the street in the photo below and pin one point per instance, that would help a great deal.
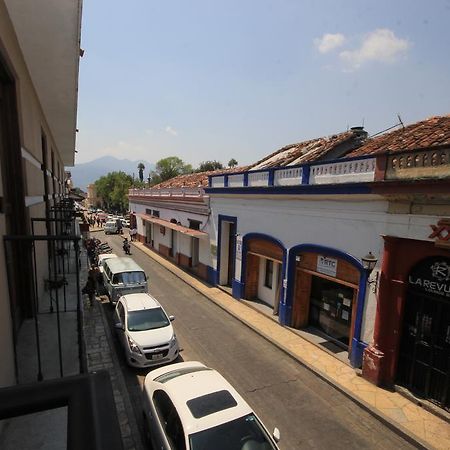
(308, 411)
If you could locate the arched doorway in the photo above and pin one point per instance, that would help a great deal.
(263, 268)
(424, 355)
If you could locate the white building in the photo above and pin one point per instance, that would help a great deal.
(293, 232)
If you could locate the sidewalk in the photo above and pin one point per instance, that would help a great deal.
(396, 411)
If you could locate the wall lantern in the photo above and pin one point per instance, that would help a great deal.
(369, 262)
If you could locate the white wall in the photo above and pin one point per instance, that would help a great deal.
(183, 241)
(351, 226)
(184, 244)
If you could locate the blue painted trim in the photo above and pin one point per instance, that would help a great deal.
(237, 289)
(212, 275)
(357, 349)
(271, 177)
(315, 189)
(356, 354)
(245, 240)
(222, 218)
(225, 180)
(305, 174)
(245, 179)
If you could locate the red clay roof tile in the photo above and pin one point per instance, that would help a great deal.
(426, 133)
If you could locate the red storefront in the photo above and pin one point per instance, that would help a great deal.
(412, 327)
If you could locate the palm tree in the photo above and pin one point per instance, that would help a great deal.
(141, 168)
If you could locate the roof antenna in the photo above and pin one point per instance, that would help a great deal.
(400, 120)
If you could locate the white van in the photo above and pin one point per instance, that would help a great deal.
(123, 276)
(113, 226)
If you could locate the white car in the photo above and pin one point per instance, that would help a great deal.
(190, 406)
(145, 331)
(102, 258)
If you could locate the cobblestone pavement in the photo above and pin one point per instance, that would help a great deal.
(100, 355)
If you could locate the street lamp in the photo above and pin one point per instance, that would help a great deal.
(369, 262)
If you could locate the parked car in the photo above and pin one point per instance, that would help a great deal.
(145, 331)
(190, 406)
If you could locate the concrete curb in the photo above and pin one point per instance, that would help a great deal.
(397, 428)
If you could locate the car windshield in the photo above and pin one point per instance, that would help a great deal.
(147, 319)
(129, 278)
(245, 433)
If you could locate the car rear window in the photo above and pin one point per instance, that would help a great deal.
(177, 373)
(211, 403)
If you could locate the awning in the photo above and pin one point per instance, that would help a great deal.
(174, 226)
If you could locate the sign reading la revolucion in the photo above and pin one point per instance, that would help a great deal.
(432, 276)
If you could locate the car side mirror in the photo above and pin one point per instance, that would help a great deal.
(171, 318)
(276, 434)
(119, 326)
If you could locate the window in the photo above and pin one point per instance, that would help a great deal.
(211, 403)
(147, 319)
(121, 313)
(194, 224)
(155, 213)
(268, 279)
(148, 211)
(169, 420)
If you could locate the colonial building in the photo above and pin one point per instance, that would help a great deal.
(298, 231)
(173, 218)
(39, 59)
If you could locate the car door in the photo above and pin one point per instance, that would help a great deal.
(166, 428)
(119, 317)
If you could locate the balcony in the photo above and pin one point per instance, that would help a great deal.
(55, 403)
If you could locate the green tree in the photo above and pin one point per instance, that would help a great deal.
(207, 166)
(168, 168)
(113, 190)
(232, 162)
(141, 168)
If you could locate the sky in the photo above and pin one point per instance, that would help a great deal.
(214, 80)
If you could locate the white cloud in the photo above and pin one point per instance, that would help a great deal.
(171, 131)
(381, 45)
(329, 42)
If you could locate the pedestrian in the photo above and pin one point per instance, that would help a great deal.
(91, 285)
(98, 221)
(133, 233)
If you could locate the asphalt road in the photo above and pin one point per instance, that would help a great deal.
(309, 412)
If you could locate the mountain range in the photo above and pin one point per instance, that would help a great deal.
(87, 173)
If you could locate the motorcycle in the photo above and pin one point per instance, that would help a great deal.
(126, 247)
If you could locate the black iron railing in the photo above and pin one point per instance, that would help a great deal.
(47, 277)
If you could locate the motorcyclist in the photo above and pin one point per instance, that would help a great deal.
(126, 246)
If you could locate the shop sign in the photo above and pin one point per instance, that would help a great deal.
(239, 247)
(441, 233)
(432, 276)
(327, 266)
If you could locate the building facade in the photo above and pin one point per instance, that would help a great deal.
(295, 236)
(38, 102)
